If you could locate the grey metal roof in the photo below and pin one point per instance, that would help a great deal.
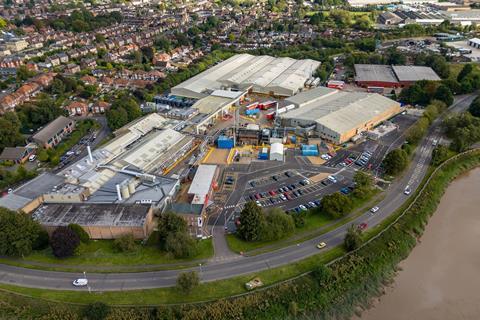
(114, 215)
(415, 73)
(374, 72)
(13, 153)
(52, 128)
(310, 96)
(340, 111)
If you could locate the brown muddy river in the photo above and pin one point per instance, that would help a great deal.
(441, 278)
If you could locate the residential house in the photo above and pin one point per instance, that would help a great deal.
(100, 107)
(77, 108)
(72, 68)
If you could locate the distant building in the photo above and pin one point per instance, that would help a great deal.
(77, 108)
(374, 75)
(54, 132)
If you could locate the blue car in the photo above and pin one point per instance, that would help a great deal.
(345, 190)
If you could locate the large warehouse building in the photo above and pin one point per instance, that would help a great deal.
(375, 75)
(338, 116)
(260, 74)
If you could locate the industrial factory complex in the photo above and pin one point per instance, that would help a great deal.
(260, 74)
(248, 110)
(338, 116)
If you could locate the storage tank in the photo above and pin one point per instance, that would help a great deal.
(125, 193)
(131, 187)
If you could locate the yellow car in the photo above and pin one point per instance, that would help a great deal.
(321, 245)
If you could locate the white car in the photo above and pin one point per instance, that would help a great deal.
(407, 190)
(332, 178)
(258, 203)
(70, 153)
(32, 158)
(374, 209)
(302, 207)
(82, 282)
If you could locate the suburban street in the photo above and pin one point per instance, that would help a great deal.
(240, 265)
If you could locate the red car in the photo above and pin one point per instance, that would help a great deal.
(257, 196)
(272, 193)
(287, 195)
(362, 226)
(348, 161)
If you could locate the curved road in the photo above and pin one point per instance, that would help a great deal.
(240, 265)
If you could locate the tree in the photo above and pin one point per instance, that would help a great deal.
(474, 108)
(363, 184)
(181, 245)
(23, 73)
(3, 23)
(42, 240)
(58, 87)
(9, 131)
(64, 241)
(18, 233)
(395, 161)
(168, 223)
(96, 311)
(251, 222)
(353, 238)
(439, 154)
(125, 243)
(444, 94)
(81, 233)
(277, 225)
(466, 70)
(336, 205)
(187, 281)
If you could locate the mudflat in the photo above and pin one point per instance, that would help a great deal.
(441, 278)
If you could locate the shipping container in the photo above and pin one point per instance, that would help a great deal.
(375, 90)
(267, 105)
(309, 147)
(334, 84)
(310, 153)
(224, 142)
(270, 115)
(252, 106)
(250, 112)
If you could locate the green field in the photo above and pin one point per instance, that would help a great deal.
(103, 255)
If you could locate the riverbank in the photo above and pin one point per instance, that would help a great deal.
(439, 279)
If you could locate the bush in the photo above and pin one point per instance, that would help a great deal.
(353, 238)
(82, 234)
(125, 243)
(96, 311)
(42, 240)
(336, 205)
(181, 245)
(187, 281)
(64, 241)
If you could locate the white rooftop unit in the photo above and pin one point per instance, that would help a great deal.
(276, 151)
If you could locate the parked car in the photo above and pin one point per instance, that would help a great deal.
(302, 207)
(32, 158)
(272, 193)
(258, 203)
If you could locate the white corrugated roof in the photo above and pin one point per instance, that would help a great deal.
(203, 180)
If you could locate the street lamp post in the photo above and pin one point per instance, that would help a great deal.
(88, 285)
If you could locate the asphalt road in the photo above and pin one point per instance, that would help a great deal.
(217, 270)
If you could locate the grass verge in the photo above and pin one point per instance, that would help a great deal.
(101, 256)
